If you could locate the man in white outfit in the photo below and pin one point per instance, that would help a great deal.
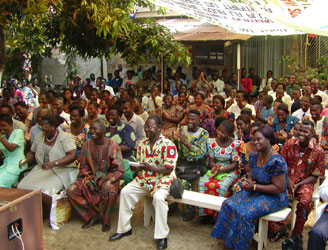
(316, 91)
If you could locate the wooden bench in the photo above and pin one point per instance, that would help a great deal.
(215, 203)
(262, 236)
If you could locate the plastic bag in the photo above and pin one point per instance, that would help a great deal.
(61, 210)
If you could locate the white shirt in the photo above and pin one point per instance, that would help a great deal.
(318, 126)
(228, 100)
(218, 86)
(234, 108)
(324, 97)
(66, 116)
(323, 190)
(19, 125)
(151, 104)
(323, 193)
(285, 99)
(264, 84)
(137, 123)
(93, 84)
(144, 116)
(110, 89)
(300, 114)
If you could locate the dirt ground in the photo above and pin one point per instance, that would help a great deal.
(183, 235)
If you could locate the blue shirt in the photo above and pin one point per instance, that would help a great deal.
(290, 123)
(115, 83)
(35, 130)
(266, 113)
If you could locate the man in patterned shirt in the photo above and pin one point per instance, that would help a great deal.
(305, 160)
(191, 140)
(157, 156)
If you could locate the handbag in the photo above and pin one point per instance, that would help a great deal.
(189, 173)
(61, 210)
(176, 189)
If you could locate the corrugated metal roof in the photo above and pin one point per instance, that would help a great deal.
(195, 30)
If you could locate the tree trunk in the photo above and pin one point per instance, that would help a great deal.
(3, 55)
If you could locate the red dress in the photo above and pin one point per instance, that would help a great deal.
(98, 164)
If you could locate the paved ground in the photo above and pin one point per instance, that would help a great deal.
(183, 235)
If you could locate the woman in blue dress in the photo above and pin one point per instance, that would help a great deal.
(264, 192)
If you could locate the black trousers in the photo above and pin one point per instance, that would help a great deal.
(318, 236)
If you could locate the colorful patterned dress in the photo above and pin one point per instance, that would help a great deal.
(209, 123)
(226, 114)
(98, 164)
(220, 184)
(168, 127)
(80, 138)
(235, 224)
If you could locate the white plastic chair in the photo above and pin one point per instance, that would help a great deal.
(315, 199)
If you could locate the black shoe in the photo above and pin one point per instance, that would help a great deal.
(118, 236)
(91, 222)
(276, 236)
(208, 219)
(162, 244)
(189, 216)
(105, 227)
(172, 209)
(294, 243)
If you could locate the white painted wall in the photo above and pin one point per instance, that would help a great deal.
(54, 68)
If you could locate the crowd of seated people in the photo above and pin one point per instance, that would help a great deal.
(257, 143)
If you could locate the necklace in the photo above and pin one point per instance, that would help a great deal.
(262, 160)
(50, 140)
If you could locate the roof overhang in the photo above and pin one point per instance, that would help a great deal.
(195, 30)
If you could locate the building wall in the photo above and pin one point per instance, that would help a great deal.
(265, 53)
(54, 69)
(261, 52)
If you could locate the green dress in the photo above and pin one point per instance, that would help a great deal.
(9, 170)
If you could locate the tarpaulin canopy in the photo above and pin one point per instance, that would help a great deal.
(196, 30)
(257, 17)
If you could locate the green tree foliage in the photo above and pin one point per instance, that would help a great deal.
(321, 71)
(91, 28)
(22, 31)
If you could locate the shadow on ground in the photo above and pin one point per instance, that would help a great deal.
(183, 235)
